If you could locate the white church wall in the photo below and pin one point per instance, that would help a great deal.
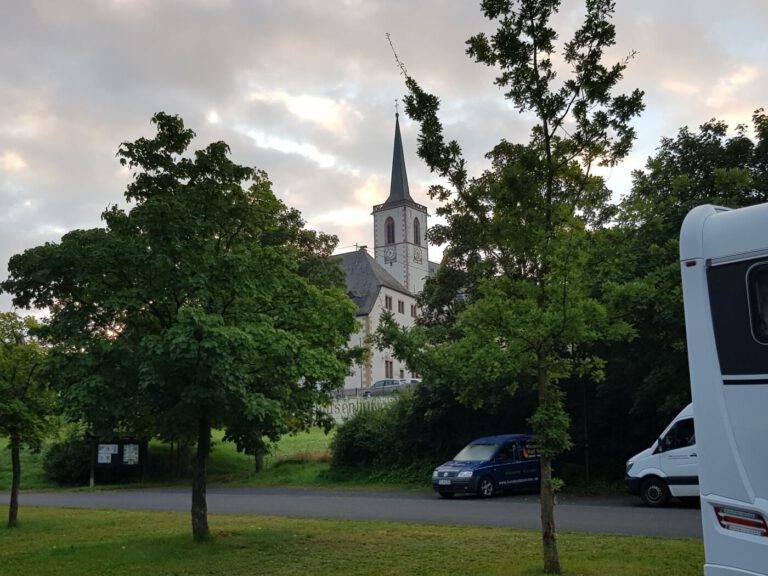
(376, 369)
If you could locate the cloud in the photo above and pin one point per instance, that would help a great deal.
(680, 88)
(324, 112)
(726, 90)
(12, 162)
(305, 90)
(287, 146)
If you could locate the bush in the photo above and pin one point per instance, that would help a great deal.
(421, 428)
(360, 441)
(68, 461)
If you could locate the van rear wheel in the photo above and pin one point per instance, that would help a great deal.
(654, 492)
(486, 487)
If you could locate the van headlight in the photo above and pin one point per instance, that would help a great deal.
(434, 473)
(465, 474)
(629, 465)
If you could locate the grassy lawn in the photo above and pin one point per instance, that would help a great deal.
(31, 469)
(54, 541)
(297, 460)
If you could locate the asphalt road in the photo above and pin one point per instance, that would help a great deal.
(616, 515)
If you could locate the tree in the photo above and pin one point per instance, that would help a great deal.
(206, 304)
(511, 306)
(26, 402)
(640, 259)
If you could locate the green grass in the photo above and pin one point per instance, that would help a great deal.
(54, 541)
(32, 476)
(297, 460)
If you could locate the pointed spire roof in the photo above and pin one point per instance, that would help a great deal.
(398, 188)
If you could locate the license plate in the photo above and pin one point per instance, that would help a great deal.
(444, 482)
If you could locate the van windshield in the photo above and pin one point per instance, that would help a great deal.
(475, 452)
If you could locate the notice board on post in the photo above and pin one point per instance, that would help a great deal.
(118, 460)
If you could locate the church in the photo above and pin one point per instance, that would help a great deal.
(391, 277)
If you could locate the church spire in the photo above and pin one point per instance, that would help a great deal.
(398, 188)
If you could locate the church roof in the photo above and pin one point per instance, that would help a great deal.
(398, 188)
(365, 278)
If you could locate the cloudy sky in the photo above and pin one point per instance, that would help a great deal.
(305, 90)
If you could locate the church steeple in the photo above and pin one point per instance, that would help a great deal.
(400, 227)
(398, 188)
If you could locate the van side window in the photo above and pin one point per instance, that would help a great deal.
(757, 281)
(508, 452)
(530, 451)
(682, 434)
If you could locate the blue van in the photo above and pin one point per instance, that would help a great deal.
(489, 465)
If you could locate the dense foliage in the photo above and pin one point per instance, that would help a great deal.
(512, 306)
(68, 461)
(26, 401)
(634, 273)
(204, 304)
(427, 425)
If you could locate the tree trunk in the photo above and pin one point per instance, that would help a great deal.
(13, 510)
(548, 539)
(258, 459)
(199, 471)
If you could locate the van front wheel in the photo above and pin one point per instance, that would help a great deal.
(654, 492)
(486, 487)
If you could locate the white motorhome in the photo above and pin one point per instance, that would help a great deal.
(724, 263)
(669, 467)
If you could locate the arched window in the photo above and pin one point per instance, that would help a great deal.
(389, 231)
(416, 232)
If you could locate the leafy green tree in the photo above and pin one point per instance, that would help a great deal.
(639, 258)
(26, 402)
(511, 306)
(206, 304)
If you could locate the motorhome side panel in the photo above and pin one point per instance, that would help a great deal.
(723, 256)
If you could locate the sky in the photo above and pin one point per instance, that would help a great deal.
(306, 90)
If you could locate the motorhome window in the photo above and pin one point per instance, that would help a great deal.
(757, 280)
(682, 434)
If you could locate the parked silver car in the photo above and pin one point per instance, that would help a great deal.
(386, 387)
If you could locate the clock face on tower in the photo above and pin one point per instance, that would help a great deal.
(417, 255)
(389, 253)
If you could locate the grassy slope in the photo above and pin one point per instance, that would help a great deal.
(299, 459)
(52, 541)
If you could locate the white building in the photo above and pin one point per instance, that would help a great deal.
(391, 278)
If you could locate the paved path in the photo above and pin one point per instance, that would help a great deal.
(618, 515)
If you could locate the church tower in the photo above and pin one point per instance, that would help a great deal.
(400, 227)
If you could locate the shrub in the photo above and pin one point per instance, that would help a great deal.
(68, 461)
(421, 428)
(359, 442)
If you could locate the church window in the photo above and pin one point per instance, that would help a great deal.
(413, 310)
(388, 302)
(416, 232)
(401, 306)
(388, 369)
(389, 230)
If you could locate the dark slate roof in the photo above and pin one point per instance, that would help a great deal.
(398, 188)
(365, 277)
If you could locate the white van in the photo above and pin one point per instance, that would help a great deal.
(669, 467)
